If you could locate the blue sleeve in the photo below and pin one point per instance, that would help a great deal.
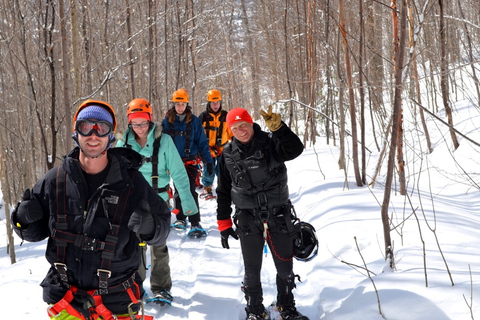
(202, 142)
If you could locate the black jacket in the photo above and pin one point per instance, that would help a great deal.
(92, 218)
(254, 176)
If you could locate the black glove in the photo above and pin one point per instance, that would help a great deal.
(225, 233)
(142, 222)
(210, 168)
(27, 211)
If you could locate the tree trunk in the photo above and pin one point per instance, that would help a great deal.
(76, 63)
(130, 51)
(416, 80)
(397, 98)
(361, 91)
(66, 77)
(394, 139)
(351, 94)
(256, 101)
(7, 200)
(341, 108)
(444, 75)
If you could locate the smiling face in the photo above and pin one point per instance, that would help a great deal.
(93, 146)
(140, 126)
(180, 107)
(242, 131)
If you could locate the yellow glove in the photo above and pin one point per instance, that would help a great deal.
(272, 120)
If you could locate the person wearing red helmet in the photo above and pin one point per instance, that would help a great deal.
(94, 221)
(253, 176)
(162, 163)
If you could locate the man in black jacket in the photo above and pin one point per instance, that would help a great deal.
(95, 209)
(253, 175)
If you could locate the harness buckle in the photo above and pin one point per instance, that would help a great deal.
(89, 244)
(108, 272)
(60, 265)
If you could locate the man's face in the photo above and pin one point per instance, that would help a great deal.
(180, 107)
(93, 145)
(242, 131)
(215, 105)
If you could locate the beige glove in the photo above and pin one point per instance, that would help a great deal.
(272, 120)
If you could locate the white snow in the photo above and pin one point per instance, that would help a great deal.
(443, 191)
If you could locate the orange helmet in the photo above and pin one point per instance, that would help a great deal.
(214, 95)
(140, 105)
(96, 102)
(181, 95)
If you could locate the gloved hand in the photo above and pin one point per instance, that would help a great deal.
(272, 120)
(210, 168)
(142, 222)
(27, 211)
(225, 234)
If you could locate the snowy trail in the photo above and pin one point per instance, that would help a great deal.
(202, 273)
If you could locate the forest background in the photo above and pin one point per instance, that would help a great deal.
(323, 63)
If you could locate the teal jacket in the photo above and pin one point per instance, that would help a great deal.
(169, 165)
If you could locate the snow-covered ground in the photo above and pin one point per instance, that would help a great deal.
(443, 237)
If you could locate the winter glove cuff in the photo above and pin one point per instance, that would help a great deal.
(224, 224)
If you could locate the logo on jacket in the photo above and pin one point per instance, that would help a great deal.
(112, 199)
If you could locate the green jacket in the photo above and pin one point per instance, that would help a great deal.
(169, 165)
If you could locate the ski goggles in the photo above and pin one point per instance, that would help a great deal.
(86, 127)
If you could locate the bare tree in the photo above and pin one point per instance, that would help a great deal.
(444, 74)
(395, 121)
(351, 94)
(66, 74)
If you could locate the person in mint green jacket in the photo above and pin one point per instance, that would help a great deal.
(140, 137)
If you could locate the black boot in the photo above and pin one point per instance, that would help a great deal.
(255, 309)
(285, 301)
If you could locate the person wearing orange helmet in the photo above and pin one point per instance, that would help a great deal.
(94, 221)
(218, 134)
(162, 163)
(189, 137)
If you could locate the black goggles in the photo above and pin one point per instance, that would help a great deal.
(86, 128)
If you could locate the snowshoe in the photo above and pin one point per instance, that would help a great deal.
(197, 232)
(161, 297)
(253, 316)
(290, 313)
(256, 314)
(180, 225)
(207, 196)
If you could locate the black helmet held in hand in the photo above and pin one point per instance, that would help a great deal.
(305, 246)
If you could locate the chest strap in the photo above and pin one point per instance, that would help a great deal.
(62, 236)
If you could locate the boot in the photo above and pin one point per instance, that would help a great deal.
(207, 189)
(285, 301)
(255, 309)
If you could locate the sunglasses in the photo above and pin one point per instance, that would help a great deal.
(86, 128)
